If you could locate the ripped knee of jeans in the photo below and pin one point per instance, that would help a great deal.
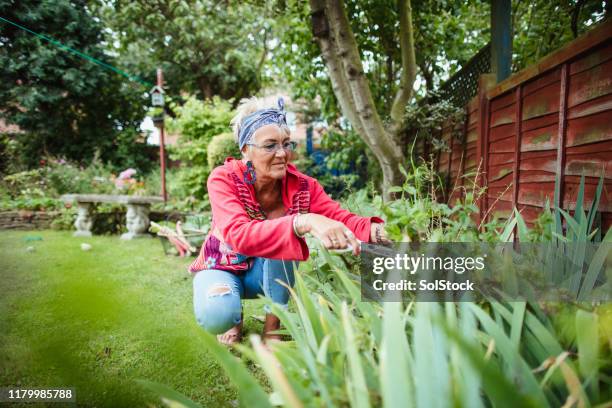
(220, 289)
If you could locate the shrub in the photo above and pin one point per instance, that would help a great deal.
(9, 160)
(57, 176)
(221, 147)
(64, 220)
(197, 122)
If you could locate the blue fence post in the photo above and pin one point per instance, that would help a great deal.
(309, 148)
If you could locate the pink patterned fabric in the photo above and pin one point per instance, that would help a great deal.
(240, 230)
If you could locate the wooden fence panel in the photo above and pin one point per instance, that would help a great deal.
(553, 119)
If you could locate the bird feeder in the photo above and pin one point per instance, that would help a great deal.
(157, 96)
(157, 101)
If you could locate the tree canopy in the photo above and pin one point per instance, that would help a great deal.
(71, 107)
(65, 105)
(205, 47)
(388, 54)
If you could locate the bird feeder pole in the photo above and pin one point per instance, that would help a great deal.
(162, 150)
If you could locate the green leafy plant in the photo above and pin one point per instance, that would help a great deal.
(428, 118)
(197, 123)
(220, 147)
(64, 219)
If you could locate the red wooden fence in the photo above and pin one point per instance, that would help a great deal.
(553, 118)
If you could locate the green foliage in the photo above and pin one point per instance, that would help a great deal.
(347, 352)
(41, 188)
(59, 177)
(447, 34)
(7, 154)
(220, 147)
(426, 120)
(542, 26)
(205, 47)
(64, 219)
(348, 163)
(197, 122)
(30, 203)
(66, 106)
(417, 214)
(346, 152)
(335, 186)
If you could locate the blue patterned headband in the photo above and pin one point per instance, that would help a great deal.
(261, 118)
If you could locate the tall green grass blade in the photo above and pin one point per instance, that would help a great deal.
(395, 367)
(307, 312)
(289, 321)
(518, 316)
(431, 372)
(595, 267)
(572, 225)
(168, 396)
(587, 339)
(249, 390)
(295, 324)
(322, 352)
(367, 309)
(547, 339)
(468, 377)
(521, 226)
(292, 364)
(496, 386)
(595, 204)
(506, 234)
(356, 384)
(520, 372)
(578, 247)
(274, 372)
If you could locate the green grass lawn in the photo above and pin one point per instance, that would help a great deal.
(98, 320)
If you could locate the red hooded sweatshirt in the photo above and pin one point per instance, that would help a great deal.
(240, 230)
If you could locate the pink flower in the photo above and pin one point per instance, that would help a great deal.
(119, 183)
(126, 174)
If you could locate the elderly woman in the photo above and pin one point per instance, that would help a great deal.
(262, 207)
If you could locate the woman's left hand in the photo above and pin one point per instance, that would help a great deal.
(378, 234)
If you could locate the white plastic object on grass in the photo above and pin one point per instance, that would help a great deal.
(85, 247)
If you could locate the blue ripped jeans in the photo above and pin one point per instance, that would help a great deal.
(217, 294)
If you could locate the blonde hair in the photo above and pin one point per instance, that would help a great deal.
(250, 105)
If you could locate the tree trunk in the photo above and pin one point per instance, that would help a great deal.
(205, 88)
(341, 54)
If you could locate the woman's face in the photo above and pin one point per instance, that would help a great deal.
(268, 165)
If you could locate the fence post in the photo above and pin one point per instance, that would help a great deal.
(501, 38)
(485, 82)
(517, 145)
(517, 151)
(563, 93)
(450, 163)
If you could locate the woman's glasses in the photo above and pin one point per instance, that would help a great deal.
(275, 147)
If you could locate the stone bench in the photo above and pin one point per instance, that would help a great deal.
(137, 217)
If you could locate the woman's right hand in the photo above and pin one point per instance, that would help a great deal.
(333, 234)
